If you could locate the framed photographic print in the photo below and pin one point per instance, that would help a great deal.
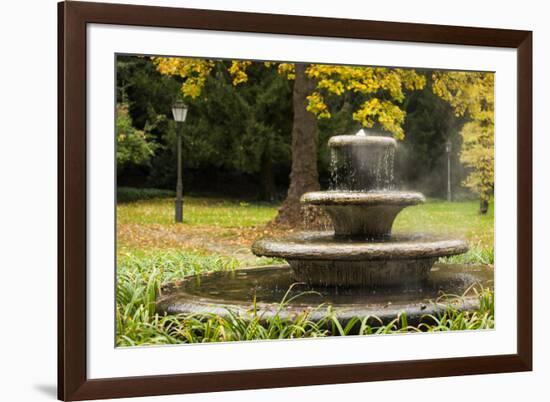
(253, 200)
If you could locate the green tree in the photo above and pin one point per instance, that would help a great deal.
(134, 147)
(421, 163)
(265, 139)
(148, 96)
(244, 128)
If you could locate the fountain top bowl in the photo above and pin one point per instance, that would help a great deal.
(363, 198)
(373, 141)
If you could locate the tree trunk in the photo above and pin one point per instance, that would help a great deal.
(267, 183)
(483, 206)
(303, 176)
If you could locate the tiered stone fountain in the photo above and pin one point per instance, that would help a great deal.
(360, 268)
(362, 206)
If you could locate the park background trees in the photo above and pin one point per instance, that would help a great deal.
(260, 129)
(472, 94)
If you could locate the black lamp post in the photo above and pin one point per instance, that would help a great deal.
(179, 111)
(448, 148)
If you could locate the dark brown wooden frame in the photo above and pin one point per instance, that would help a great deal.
(73, 383)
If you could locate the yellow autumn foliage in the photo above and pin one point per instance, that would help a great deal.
(287, 69)
(194, 71)
(472, 94)
(238, 71)
(389, 115)
(384, 87)
(317, 106)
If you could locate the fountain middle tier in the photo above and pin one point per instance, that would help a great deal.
(323, 259)
(363, 214)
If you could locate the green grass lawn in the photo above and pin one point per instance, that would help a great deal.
(198, 211)
(453, 218)
(218, 227)
(458, 218)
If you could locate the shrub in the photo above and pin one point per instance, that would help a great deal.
(129, 194)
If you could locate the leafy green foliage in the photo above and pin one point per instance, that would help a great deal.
(233, 127)
(148, 94)
(139, 278)
(453, 319)
(134, 147)
(243, 129)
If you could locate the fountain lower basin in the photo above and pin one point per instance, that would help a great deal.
(221, 292)
(323, 259)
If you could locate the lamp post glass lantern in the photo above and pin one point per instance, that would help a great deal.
(179, 112)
